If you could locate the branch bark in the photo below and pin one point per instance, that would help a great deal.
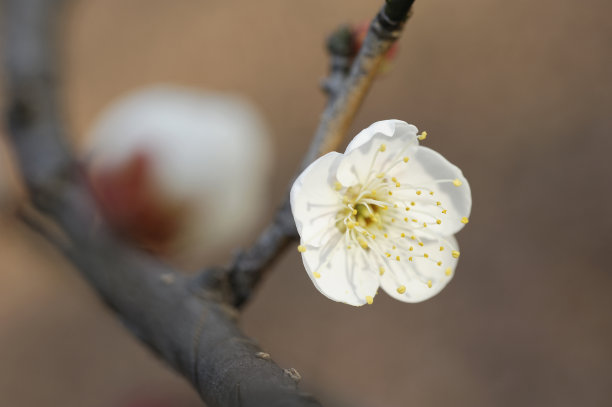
(188, 321)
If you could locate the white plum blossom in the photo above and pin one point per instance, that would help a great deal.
(176, 165)
(383, 214)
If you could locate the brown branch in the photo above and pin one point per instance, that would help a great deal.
(346, 91)
(185, 321)
(189, 322)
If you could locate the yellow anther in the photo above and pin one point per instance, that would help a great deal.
(406, 159)
(395, 206)
(373, 192)
(424, 224)
(438, 203)
(301, 248)
(385, 207)
(363, 244)
(464, 220)
(316, 274)
(394, 179)
(354, 211)
(438, 221)
(421, 244)
(401, 289)
(448, 271)
(373, 237)
(413, 237)
(369, 299)
(397, 258)
(386, 236)
(407, 209)
(390, 193)
(350, 225)
(406, 219)
(410, 258)
(349, 247)
(439, 263)
(381, 270)
(423, 135)
(380, 175)
(429, 283)
(412, 203)
(457, 182)
(383, 147)
(411, 248)
(388, 254)
(441, 248)
(426, 255)
(418, 192)
(337, 186)
(397, 185)
(431, 193)
(403, 235)
(444, 211)
(455, 254)
(392, 220)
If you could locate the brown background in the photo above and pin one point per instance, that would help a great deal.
(517, 93)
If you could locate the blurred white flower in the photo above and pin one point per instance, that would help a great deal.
(178, 169)
(382, 214)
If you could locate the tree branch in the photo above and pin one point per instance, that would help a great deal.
(188, 321)
(346, 92)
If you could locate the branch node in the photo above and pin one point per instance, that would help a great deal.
(263, 355)
(293, 374)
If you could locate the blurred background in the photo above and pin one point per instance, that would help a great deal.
(517, 94)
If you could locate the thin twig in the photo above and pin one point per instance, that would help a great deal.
(346, 92)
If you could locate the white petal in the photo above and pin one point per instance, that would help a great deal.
(424, 169)
(344, 275)
(388, 128)
(314, 201)
(361, 158)
(415, 275)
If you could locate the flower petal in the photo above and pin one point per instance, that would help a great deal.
(388, 128)
(450, 203)
(409, 281)
(363, 156)
(314, 201)
(341, 274)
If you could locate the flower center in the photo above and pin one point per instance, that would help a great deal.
(388, 218)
